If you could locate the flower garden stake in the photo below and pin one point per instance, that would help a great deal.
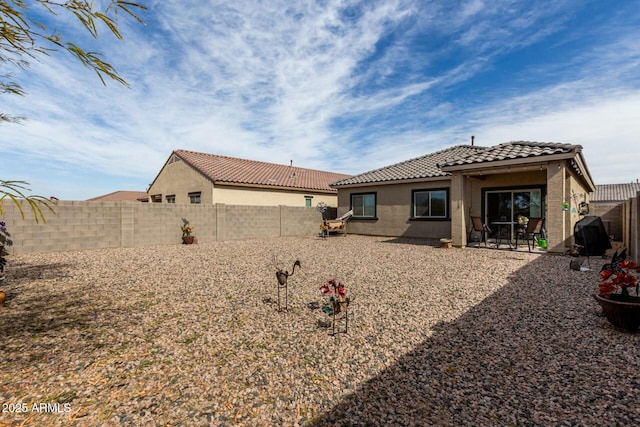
(619, 293)
(5, 240)
(283, 280)
(337, 305)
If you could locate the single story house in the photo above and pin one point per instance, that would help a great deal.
(607, 202)
(116, 196)
(193, 177)
(435, 196)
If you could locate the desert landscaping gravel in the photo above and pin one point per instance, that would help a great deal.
(191, 335)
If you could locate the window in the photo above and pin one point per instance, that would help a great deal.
(171, 198)
(195, 197)
(307, 201)
(430, 204)
(364, 205)
(156, 198)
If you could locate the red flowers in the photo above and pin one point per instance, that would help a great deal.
(334, 287)
(619, 279)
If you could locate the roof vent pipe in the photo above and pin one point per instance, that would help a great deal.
(472, 138)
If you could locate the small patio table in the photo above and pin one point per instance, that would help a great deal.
(503, 227)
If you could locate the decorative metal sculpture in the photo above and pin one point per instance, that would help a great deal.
(338, 304)
(283, 279)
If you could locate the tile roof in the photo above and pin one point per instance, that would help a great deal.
(514, 150)
(420, 167)
(120, 195)
(431, 165)
(231, 170)
(614, 192)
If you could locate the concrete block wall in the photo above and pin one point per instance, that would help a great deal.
(245, 222)
(611, 215)
(299, 221)
(80, 225)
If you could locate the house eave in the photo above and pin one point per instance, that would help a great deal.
(495, 164)
(272, 187)
(394, 181)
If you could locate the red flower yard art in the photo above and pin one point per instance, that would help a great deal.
(619, 278)
(619, 293)
(337, 303)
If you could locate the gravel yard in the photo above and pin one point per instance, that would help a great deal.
(191, 335)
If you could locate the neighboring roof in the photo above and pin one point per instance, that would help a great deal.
(441, 163)
(420, 167)
(614, 192)
(515, 150)
(235, 171)
(121, 195)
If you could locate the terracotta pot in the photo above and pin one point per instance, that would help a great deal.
(621, 311)
(3, 296)
(188, 240)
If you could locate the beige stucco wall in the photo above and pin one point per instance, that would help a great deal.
(232, 195)
(180, 179)
(562, 184)
(393, 212)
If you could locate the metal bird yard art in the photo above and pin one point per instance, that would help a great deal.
(283, 281)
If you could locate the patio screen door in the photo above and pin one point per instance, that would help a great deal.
(506, 205)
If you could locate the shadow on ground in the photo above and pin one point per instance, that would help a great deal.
(515, 359)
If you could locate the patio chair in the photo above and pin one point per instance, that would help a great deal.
(478, 226)
(534, 230)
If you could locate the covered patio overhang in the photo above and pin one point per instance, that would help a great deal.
(503, 189)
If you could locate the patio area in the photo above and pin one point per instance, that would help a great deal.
(191, 335)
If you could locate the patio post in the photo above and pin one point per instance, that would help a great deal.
(458, 219)
(557, 219)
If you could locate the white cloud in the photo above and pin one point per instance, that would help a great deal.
(319, 83)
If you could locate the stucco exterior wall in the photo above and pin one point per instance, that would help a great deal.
(393, 212)
(233, 195)
(180, 179)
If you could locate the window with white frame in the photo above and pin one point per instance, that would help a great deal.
(364, 205)
(171, 198)
(430, 204)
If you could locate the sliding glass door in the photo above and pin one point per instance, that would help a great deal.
(504, 206)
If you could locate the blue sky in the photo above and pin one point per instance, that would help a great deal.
(345, 86)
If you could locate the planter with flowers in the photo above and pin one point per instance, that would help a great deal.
(337, 304)
(187, 230)
(619, 293)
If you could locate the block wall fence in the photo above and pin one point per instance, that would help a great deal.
(78, 225)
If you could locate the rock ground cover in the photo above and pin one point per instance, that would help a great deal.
(190, 335)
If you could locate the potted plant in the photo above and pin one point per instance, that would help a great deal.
(187, 229)
(619, 293)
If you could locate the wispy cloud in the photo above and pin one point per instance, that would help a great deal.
(337, 85)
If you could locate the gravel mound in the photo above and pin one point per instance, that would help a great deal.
(191, 335)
